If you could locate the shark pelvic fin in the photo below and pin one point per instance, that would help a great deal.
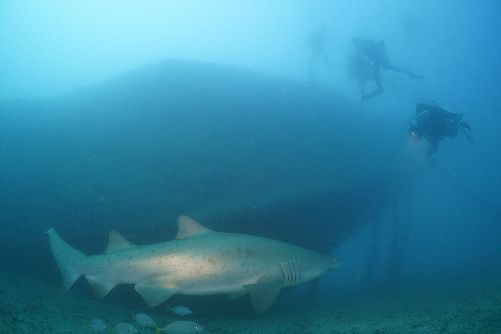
(154, 295)
(236, 295)
(187, 227)
(264, 293)
(117, 242)
(99, 288)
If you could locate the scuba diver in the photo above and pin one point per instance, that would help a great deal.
(368, 61)
(435, 123)
(317, 41)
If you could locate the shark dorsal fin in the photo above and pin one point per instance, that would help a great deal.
(187, 228)
(117, 242)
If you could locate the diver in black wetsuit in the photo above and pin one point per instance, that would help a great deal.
(369, 59)
(435, 123)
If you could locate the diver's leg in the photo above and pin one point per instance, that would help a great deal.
(395, 68)
(379, 88)
(409, 73)
(379, 83)
(465, 125)
(433, 147)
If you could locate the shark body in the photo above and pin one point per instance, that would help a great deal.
(199, 262)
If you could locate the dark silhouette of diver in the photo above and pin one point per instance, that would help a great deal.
(317, 41)
(435, 123)
(368, 61)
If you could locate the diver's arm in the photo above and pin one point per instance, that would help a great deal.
(401, 69)
(410, 73)
(393, 68)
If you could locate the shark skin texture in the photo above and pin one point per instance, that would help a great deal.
(198, 262)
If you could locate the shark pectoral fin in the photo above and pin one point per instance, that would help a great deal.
(264, 293)
(99, 288)
(154, 295)
(236, 295)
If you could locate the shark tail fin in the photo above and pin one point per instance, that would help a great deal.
(69, 260)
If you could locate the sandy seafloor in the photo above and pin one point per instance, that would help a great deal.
(28, 305)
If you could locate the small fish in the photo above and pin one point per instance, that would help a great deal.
(144, 320)
(182, 327)
(124, 328)
(180, 310)
(97, 325)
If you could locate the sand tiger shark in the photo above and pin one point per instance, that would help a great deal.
(199, 261)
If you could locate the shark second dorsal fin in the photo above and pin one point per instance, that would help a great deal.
(187, 228)
(117, 242)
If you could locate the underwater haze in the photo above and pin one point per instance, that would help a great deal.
(316, 123)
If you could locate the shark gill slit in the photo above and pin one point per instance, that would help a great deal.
(296, 271)
(291, 272)
(282, 266)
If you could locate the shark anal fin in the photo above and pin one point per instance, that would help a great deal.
(154, 295)
(117, 242)
(264, 293)
(99, 288)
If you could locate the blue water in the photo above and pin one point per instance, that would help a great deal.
(123, 116)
